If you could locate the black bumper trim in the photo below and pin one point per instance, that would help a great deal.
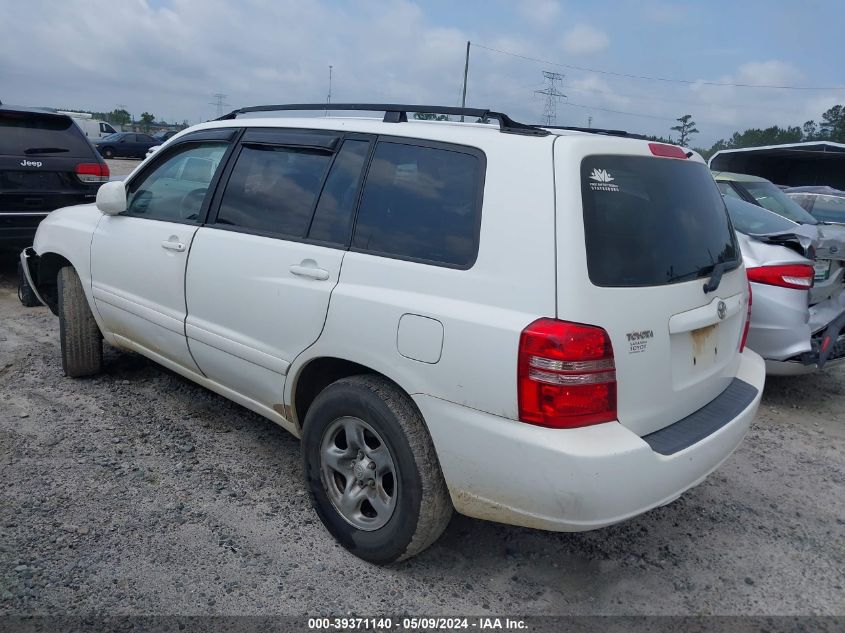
(704, 422)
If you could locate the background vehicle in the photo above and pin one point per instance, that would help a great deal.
(164, 135)
(92, 128)
(826, 204)
(504, 368)
(125, 145)
(45, 163)
(787, 329)
(830, 251)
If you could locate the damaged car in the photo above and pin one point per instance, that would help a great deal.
(794, 327)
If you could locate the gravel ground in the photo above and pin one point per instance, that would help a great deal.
(119, 168)
(137, 492)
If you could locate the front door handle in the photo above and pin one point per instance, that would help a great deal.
(173, 245)
(308, 268)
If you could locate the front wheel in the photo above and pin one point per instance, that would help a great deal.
(372, 470)
(81, 341)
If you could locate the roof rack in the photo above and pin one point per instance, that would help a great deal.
(398, 113)
(597, 130)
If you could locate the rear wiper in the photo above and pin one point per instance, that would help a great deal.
(716, 278)
(45, 150)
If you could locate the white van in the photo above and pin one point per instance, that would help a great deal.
(92, 128)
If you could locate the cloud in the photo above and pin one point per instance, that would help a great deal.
(585, 40)
(540, 13)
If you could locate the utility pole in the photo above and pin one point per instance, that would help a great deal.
(552, 94)
(329, 97)
(589, 122)
(219, 102)
(466, 72)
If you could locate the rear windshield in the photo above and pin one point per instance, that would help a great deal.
(653, 221)
(753, 220)
(772, 198)
(32, 134)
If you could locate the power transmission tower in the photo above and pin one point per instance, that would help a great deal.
(552, 94)
(219, 102)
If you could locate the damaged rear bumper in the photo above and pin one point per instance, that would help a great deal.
(827, 343)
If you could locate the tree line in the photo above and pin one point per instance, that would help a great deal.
(831, 127)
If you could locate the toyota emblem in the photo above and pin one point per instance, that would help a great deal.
(722, 310)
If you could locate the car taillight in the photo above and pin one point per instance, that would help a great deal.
(566, 375)
(747, 323)
(667, 151)
(92, 172)
(797, 276)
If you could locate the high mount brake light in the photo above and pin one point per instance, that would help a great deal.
(566, 376)
(667, 151)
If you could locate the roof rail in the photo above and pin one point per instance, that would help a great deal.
(398, 113)
(597, 130)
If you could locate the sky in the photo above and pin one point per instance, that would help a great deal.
(169, 57)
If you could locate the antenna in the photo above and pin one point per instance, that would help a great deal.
(219, 102)
(552, 94)
(329, 96)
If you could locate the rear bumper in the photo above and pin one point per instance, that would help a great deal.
(17, 229)
(575, 479)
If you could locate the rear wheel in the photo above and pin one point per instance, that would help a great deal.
(107, 152)
(372, 470)
(25, 293)
(81, 341)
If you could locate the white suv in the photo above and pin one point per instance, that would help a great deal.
(534, 326)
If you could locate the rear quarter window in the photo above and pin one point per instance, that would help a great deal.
(422, 203)
(652, 221)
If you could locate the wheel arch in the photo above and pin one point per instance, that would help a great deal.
(317, 374)
(49, 264)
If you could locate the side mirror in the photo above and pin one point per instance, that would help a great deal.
(111, 198)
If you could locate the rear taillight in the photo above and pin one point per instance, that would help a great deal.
(92, 172)
(798, 276)
(747, 323)
(566, 375)
(667, 151)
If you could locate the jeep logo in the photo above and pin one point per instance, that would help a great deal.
(31, 163)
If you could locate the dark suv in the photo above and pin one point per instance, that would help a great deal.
(46, 162)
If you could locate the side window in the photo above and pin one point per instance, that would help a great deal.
(175, 189)
(727, 190)
(273, 189)
(105, 128)
(127, 138)
(333, 217)
(421, 203)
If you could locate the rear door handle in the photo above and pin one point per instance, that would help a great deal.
(173, 246)
(312, 272)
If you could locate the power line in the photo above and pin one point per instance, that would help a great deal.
(649, 78)
(552, 95)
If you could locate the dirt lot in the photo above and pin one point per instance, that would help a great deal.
(119, 168)
(139, 492)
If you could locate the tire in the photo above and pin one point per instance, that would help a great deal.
(25, 293)
(81, 341)
(421, 507)
(108, 152)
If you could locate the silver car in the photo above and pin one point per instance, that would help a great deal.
(830, 250)
(793, 333)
